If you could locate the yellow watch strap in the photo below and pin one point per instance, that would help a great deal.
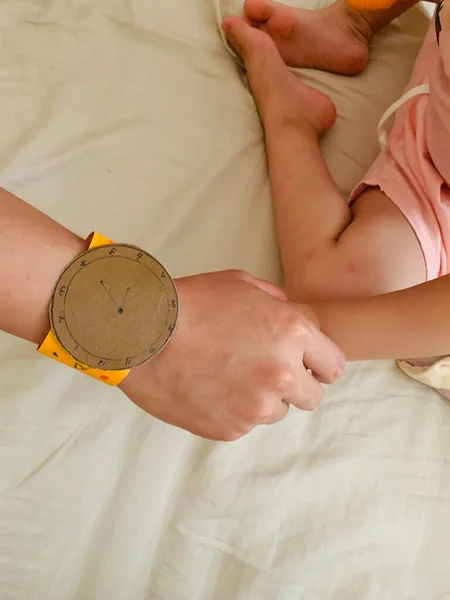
(53, 349)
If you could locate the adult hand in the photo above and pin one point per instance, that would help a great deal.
(240, 355)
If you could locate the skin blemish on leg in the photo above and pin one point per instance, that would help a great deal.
(351, 268)
(310, 254)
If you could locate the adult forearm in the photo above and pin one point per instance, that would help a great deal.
(410, 323)
(34, 250)
(226, 369)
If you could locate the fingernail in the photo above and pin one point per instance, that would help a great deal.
(339, 372)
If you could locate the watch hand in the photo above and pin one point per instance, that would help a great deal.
(103, 284)
(127, 291)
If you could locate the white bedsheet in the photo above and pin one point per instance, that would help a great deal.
(129, 117)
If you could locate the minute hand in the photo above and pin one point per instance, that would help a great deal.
(103, 284)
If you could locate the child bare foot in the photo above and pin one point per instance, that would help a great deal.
(281, 98)
(332, 39)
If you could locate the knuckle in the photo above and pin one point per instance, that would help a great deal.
(294, 325)
(261, 412)
(280, 378)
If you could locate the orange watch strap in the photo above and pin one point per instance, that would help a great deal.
(369, 5)
(51, 347)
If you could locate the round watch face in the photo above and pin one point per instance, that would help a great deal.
(114, 307)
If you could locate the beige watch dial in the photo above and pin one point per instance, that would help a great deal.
(114, 307)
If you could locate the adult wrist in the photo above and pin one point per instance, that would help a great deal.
(24, 304)
(63, 256)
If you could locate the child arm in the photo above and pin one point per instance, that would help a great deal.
(411, 323)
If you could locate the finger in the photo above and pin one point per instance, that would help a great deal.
(319, 379)
(322, 356)
(309, 393)
(270, 288)
(279, 413)
(262, 284)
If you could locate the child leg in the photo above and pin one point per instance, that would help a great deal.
(328, 250)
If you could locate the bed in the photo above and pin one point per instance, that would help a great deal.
(132, 118)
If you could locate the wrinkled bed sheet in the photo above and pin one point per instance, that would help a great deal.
(130, 117)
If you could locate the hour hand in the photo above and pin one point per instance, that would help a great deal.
(121, 307)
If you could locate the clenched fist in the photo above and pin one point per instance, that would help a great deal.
(240, 355)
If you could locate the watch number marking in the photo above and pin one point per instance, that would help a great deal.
(61, 319)
(62, 290)
(80, 367)
(163, 275)
(139, 255)
(83, 263)
(112, 251)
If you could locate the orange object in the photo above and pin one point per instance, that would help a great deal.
(369, 5)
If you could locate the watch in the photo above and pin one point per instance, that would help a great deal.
(114, 307)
